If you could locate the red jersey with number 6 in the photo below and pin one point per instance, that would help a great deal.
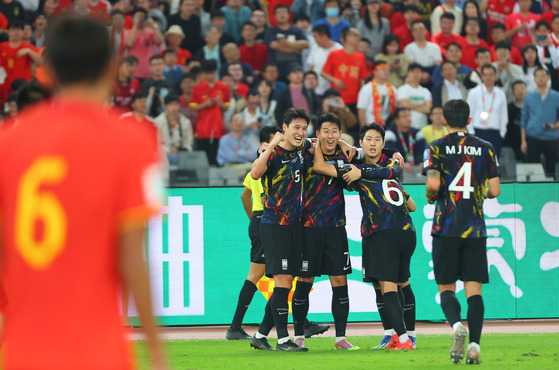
(465, 163)
(76, 179)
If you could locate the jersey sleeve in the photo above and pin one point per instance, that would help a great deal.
(140, 183)
(246, 182)
(374, 172)
(431, 159)
(491, 163)
(195, 98)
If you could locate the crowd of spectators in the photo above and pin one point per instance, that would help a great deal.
(208, 74)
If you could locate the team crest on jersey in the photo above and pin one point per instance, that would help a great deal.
(305, 266)
(284, 264)
(340, 163)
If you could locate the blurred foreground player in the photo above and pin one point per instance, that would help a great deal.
(462, 170)
(74, 199)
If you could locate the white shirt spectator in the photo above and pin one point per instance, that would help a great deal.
(417, 95)
(180, 136)
(436, 18)
(317, 58)
(493, 115)
(365, 100)
(426, 57)
(453, 90)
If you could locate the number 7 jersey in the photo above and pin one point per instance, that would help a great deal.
(465, 163)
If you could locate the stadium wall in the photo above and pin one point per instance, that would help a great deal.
(198, 256)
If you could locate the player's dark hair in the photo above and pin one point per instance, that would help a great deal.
(78, 50)
(322, 30)
(330, 118)
(372, 126)
(456, 112)
(31, 93)
(266, 132)
(295, 113)
(447, 16)
(499, 26)
(388, 39)
(482, 50)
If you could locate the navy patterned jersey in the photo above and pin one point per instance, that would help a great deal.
(282, 183)
(383, 200)
(465, 163)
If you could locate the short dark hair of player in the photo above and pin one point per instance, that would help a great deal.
(415, 66)
(322, 30)
(267, 132)
(388, 39)
(218, 13)
(414, 22)
(456, 113)
(140, 10)
(116, 12)
(482, 50)
(209, 65)
(411, 8)
(79, 49)
(541, 68)
(295, 113)
(301, 17)
(172, 98)
(249, 24)
(454, 43)
(155, 57)
(31, 93)
(499, 26)
(517, 82)
(280, 6)
(169, 51)
(504, 44)
(488, 66)
(543, 23)
(447, 15)
(328, 118)
(372, 126)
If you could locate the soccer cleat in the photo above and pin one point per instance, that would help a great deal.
(315, 329)
(261, 343)
(344, 344)
(413, 341)
(393, 341)
(289, 346)
(237, 335)
(300, 342)
(406, 346)
(459, 340)
(473, 357)
(383, 343)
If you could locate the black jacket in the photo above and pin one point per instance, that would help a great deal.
(284, 102)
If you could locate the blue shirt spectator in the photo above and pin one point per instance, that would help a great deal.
(315, 9)
(336, 28)
(538, 111)
(235, 16)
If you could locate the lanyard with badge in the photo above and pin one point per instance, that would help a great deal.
(408, 151)
(485, 114)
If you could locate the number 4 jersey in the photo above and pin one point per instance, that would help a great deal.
(465, 163)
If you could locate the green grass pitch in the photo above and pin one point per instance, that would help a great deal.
(498, 351)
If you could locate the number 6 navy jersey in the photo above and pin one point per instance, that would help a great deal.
(465, 163)
(282, 183)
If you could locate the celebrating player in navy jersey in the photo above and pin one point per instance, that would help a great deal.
(281, 169)
(387, 229)
(462, 170)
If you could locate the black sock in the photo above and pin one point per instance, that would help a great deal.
(409, 308)
(451, 307)
(300, 306)
(268, 320)
(386, 324)
(280, 310)
(475, 317)
(394, 312)
(402, 300)
(245, 297)
(340, 309)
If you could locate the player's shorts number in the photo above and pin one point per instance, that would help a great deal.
(466, 188)
(35, 206)
(392, 189)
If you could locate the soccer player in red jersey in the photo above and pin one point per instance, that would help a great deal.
(74, 199)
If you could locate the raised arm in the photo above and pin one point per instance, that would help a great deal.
(261, 164)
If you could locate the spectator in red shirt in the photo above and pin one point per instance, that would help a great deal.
(138, 105)
(446, 36)
(548, 15)
(521, 25)
(497, 11)
(346, 68)
(126, 86)
(16, 57)
(252, 52)
(471, 43)
(235, 70)
(499, 33)
(471, 10)
(186, 85)
(174, 37)
(403, 31)
(483, 57)
(97, 8)
(210, 98)
(117, 32)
